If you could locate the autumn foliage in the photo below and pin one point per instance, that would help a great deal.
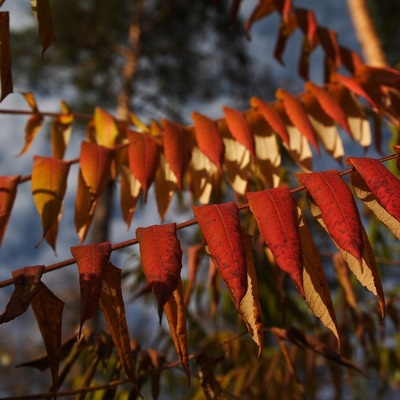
(243, 149)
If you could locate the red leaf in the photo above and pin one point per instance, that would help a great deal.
(329, 105)
(263, 9)
(5, 56)
(48, 312)
(95, 162)
(307, 23)
(353, 86)
(113, 308)
(144, 158)
(91, 259)
(329, 42)
(239, 129)
(338, 209)
(221, 229)
(351, 60)
(26, 281)
(298, 116)
(177, 149)
(272, 117)
(383, 184)
(161, 256)
(208, 139)
(8, 190)
(382, 75)
(276, 216)
(285, 30)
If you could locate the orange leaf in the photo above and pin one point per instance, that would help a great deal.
(5, 56)
(95, 162)
(161, 256)
(250, 308)
(379, 189)
(113, 308)
(166, 187)
(130, 191)
(368, 274)
(239, 128)
(272, 117)
(92, 259)
(208, 139)
(287, 27)
(106, 129)
(61, 128)
(329, 105)
(26, 281)
(42, 12)
(221, 229)
(338, 209)
(382, 75)
(85, 207)
(177, 149)
(49, 182)
(298, 116)
(174, 310)
(32, 128)
(316, 288)
(276, 216)
(48, 310)
(144, 158)
(8, 191)
(262, 9)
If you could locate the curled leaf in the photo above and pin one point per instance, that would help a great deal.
(8, 191)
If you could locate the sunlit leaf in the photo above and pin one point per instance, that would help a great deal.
(316, 289)
(174, 310)
(32, 128)
(298, 116)
(221, 229)
(177, 149)
(49, 183)
(95, 162)
(250, 308)
(161, 257)
(5, 56)
(61, 128)
(92, 259)
(106, 129)
(130, 191)
(240, 129)
(365, 270)
(8, 191)
(144, 159)
(26, 282)
(113, 308)
(276, 216)
(208, 139)
(48, 310)
(166, 186)
(338, 209)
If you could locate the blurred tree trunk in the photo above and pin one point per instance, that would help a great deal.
(101, 221)
(365, 31)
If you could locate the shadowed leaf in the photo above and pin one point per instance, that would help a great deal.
(48, 312)
(5, 56)
(91, 259)
(26, 281)
(161, 257)
(174, 310)
(113, 308)
(61, 128)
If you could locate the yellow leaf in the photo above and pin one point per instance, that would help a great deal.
(174, 310)
(61, 128)
(49, 182)
(32, 127)
(106, 129)
(316, 289)
(166, 186)
(130, 191)
(366, 273)
(249, 307)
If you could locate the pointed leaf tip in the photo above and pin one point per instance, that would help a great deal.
(161, 257)
(221, 229)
